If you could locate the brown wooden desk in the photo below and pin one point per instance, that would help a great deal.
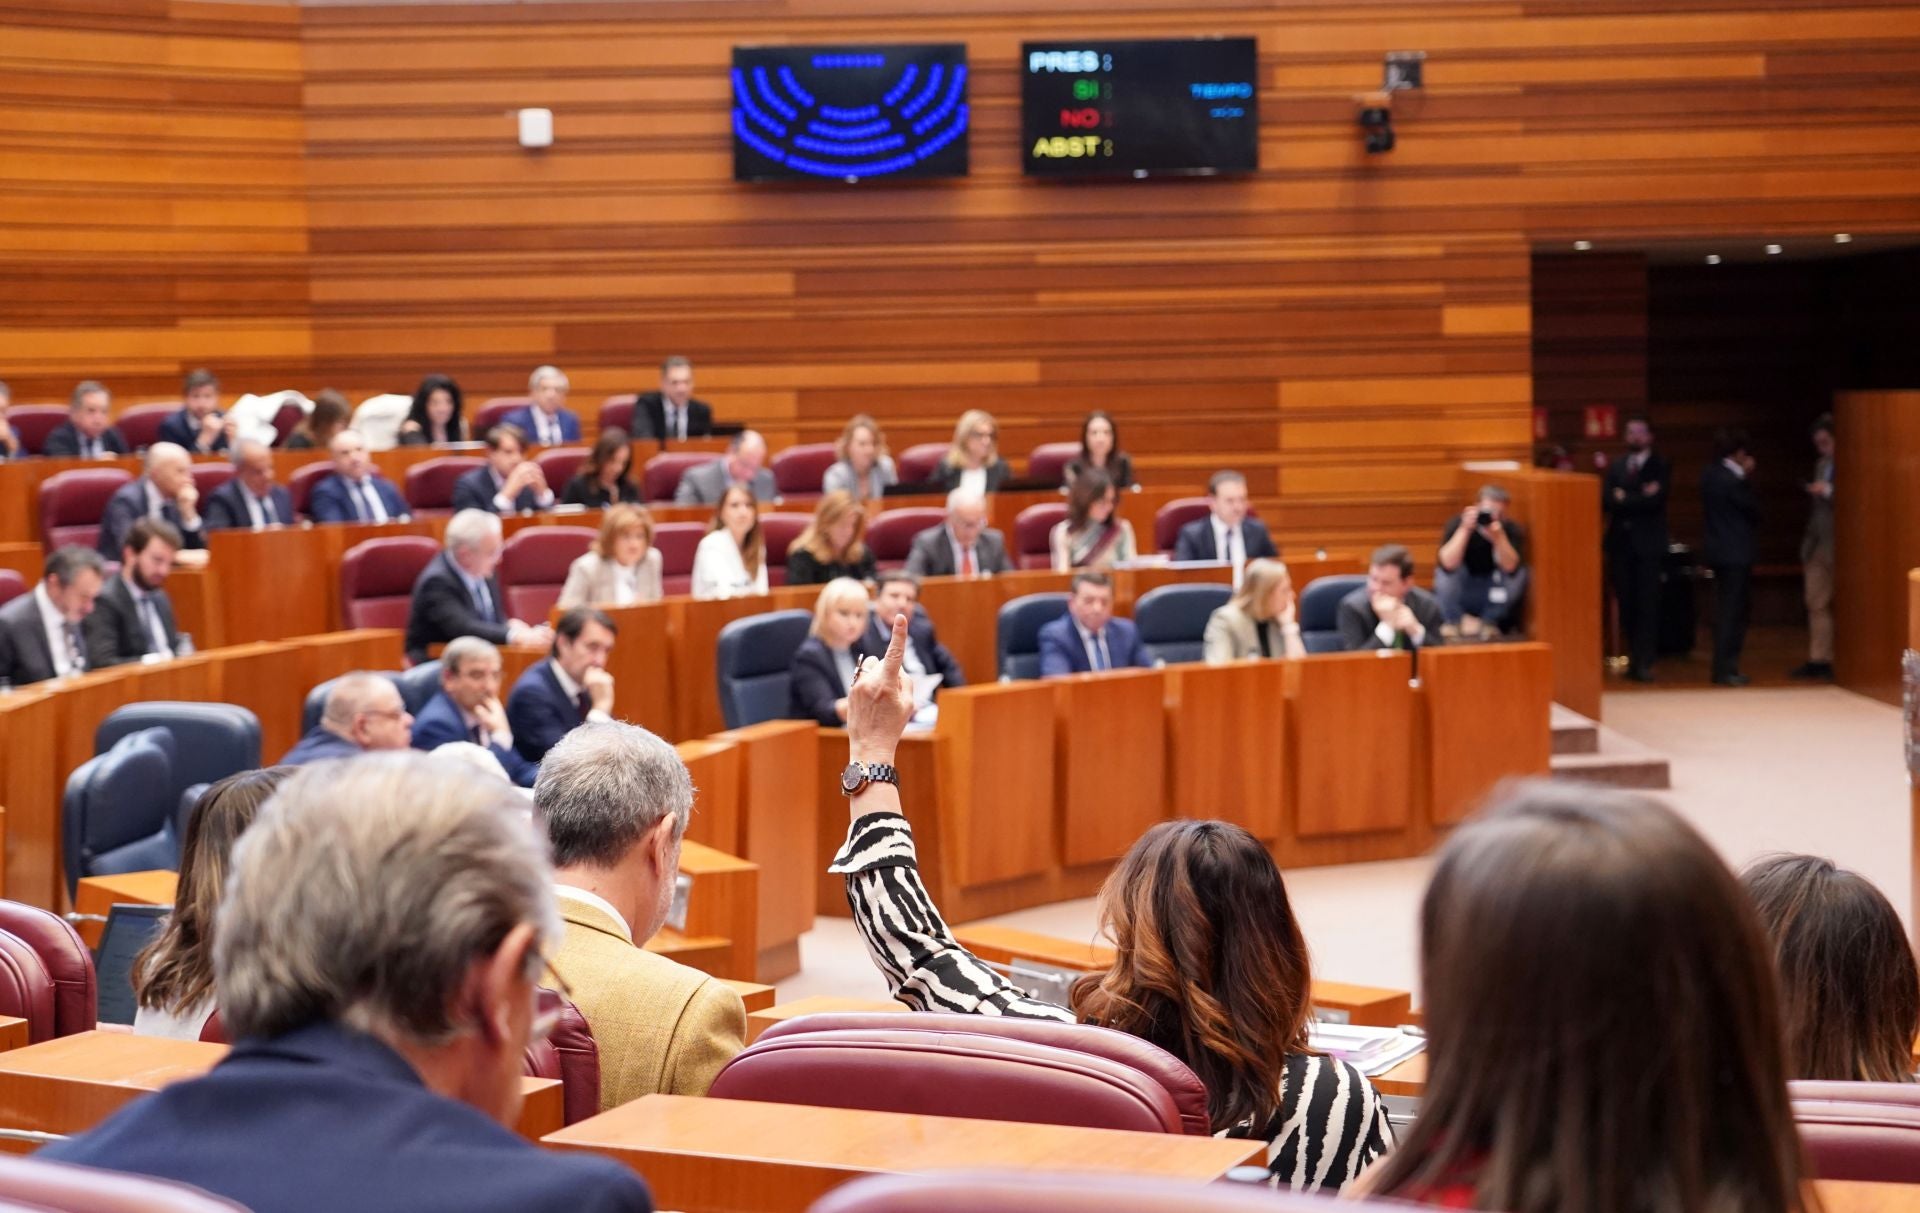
(1407, 1078)
(708, 1155)
(725, 901)
(1839, 1196)
(1487, 715)
(99, 894)
(1226, 731)
(13, 1033)
(999, 840)
(777, 831)
(1351, 728)
(1110, 762)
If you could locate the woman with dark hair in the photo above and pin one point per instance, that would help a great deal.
(1209, 962)
(173, 975)
(602, 479)
(1091, 536)
(1100, 448)
(1849, 992)
(438, 414)
(330, 415)
(1602, 1021)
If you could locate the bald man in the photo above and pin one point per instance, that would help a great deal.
(364, 712)
(251, 500)
(164, 493)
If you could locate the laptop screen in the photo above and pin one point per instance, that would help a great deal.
(129, 929)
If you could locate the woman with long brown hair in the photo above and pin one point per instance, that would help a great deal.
(833, 545)
(1848, 988)
(1209, 962)
(1092, 535)
(602, 479)
(731, 561)
(1602, 1021)
(331, 413)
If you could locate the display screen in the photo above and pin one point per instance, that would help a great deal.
(849, 112)
(1140, 108)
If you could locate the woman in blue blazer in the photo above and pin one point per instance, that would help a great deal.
(822, 670)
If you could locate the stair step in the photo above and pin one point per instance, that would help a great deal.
(1619, 762)
(1574, 733)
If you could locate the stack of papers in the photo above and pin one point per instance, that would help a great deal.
(1370, 1050)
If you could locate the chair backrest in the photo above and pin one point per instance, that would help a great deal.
(73, 502)
(752, 662)
(494, 411)
(31, 1186)
(891, 532)
(1903, 1094)
(1017, 632)
(1863, 1142)
(300, 484)
(210, 740)
(418, 684)
(1033, 534)
(661, 476)
(33, 422)
(990, 1067)
(1172, 619)
(377, 576)
(533, 567)
(117, 813)
(569, 1054)
(209, 476)
(12, 585)
(918, 463)
(286, 419)
(798, 470)
(1049, 461)
(1076, 1192)
(559, 463)
(1169, 518)
(140, 425)
(66, 960)
(26, 988)
(1320, 610)
(316, 701)
(616, 412)
(779, 531)
(429, 486)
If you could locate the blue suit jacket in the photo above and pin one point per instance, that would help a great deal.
(319, 745)
(128, 505)
(539, 712)
(181, 429)
(330, 502)
(439, 722)
(225, 508)
(475, 491)
(326, 1119)
(1062, 653)
(523, 417)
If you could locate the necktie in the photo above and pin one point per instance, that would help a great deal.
(151, 621)
(92, 450)
(1100, 659)
(267, 515)
(1233, 549)
(586, 703)
(473, 735)
(966, 562)
(375, 512)
(359, 503)
(673, 422)
(76, 656)
(482, 600)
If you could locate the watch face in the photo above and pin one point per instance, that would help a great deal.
(852, 777)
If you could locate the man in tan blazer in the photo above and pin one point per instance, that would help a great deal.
(614, 800)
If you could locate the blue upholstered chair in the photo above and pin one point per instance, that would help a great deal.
(1173, 619)
(1018, 632)
(752, 663)
(210, 740)
(118, 814)
(418, 685)
(1320, 610)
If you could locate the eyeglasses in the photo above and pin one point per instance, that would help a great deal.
(547, 1018)
(985, 434)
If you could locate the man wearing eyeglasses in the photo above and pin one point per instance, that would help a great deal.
(364, 712)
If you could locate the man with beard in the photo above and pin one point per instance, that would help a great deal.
(1636, 505)
(133, 616)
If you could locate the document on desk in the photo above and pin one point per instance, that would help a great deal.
(1370, 1050)
(924, 685)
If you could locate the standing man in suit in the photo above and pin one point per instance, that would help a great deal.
(1816, 555)
(510, 483)
(569, 689)
(615, 802)
(380, 1003)
(548, 420)
(1088, 638)
(467, 708)
(899, 594)
(1636, 545)
(134, 617)
(1732, 517)
(199, 426)
(457, 593)
(1389, 612)
(164, 492)
(86, 433)
(355, 492)
(1226, 534)
(251, 500)
(364, 712)
(744, 464)
(963, 546)
(672, 414)
(40, 633)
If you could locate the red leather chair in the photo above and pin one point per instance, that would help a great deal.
(533, 567)
(779, 531)
(891, 532)
(30, 1186)
(570, 1055)
(1902, 1094)
(661, 476)
(12, 585)
(1033, 534)
(214, 1032)
(917, 463)
(980, 1066)
(34, 422)
(1861, 1141)
(210, 476)
(1077, 1192)
(286, 419)
(494, 411)
(616, 412)
(26, 988)
(66, 961)
(798, 470)
(72, 503)
(429, 487)
(677, 541)
(559, 463)
(301, 480)
(1049, 460)
(140, 425)
(377, 576)
(1177, 513)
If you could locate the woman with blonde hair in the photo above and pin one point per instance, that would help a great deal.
(864, 468)
(833, 545)
(1091, 536)
(973, 461)
(731, 562)
(1260, 620)
(623, 567)
(822, 670)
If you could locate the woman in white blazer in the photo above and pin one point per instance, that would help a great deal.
(731, 562)
(623, 566)
(1260, 619)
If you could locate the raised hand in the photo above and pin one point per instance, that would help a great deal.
(881, 701)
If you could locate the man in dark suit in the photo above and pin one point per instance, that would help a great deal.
(134, 616)
(86, 433)
(1732, 521)
(1390, 612)
(900, 595)
(1226, 534)
(355, 492)
(165, 493)
(744, 464)
(467, 708)
(568, 689)
(1635, 498)
(364, 712)
(251, 500)
(672, 413)
(963, 546)
(509, 483)
(199, 426)
(40, 632)
(1088, 638)
(457, 593)
(379, 1037)
(547, 421)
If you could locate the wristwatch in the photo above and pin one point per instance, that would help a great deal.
(856, 776)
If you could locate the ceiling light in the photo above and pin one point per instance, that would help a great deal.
(1713, 259)
(1843, 237)
(1581, 246)
(1774, 250)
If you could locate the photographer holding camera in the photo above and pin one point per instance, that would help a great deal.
(1480, 575)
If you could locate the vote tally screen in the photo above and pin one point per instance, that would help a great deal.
(1140, 108)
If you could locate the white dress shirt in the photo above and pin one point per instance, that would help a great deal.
(149, 617)
(597, 902)
(719, 571)
(64, 658)
(1230, 545)
(260, 509)
(1099, 657)
(572, 691)
(546, 427)
(376, 509)
(963, 552)
(673, 418)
